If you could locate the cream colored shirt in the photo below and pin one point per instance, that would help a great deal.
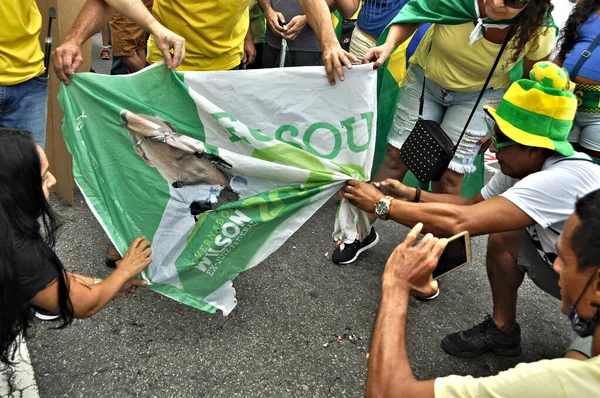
(455, 65)
(544, 379)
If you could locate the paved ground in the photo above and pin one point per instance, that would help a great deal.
(282, 339)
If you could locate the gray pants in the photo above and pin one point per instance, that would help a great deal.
(270, 57)
(546, 278)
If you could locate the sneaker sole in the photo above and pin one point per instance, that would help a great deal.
(362, 249)
(498, 351)
(46, 317)
(429, 298)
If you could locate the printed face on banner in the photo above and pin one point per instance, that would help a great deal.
(181, 160)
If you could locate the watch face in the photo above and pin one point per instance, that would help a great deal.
(381, 208)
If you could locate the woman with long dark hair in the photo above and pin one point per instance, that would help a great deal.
(577, 39)
(30, 272)
(454, 59)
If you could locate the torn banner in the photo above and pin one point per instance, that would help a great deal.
(216, 169)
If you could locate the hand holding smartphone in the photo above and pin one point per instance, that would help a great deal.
(456, 254)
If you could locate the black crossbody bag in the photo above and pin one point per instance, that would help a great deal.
(428, 150)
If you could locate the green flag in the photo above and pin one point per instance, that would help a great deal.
(216, 169)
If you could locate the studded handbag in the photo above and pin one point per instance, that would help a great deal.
(428, 150)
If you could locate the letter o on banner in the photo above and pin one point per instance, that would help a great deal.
(230, 226)
(337, 137)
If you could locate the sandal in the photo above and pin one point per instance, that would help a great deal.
(112, 256)
(105, 53)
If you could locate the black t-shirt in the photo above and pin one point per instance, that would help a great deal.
(33, 274)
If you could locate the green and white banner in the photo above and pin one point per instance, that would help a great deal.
(216, 169)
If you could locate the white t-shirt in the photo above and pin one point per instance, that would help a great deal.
(548, 196)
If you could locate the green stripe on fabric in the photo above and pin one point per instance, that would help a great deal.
(534, 123)
(531, 84)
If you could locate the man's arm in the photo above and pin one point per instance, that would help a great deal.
(274, 18)
(319, 18)
(347, 7)
(390, 374)
(408, 270)
(444, 219)
(249, 47)
(94, 15)
(400, 191)
(66, 59)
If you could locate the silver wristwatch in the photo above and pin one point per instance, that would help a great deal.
(382, 207)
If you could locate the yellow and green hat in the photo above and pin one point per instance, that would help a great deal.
(538, 112)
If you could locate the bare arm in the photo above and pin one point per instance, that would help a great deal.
(274, 18)
(446, 218)
(331, 5)
(408, 270)
(558, 60)
(249, 47)
(400, 191)
(94, 15)
(390, 374)
(397, 35)
(88, 298)
(67, 58)
(347, 7)
(265, 5)
(319, 18)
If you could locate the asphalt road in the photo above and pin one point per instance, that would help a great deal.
(282, 339)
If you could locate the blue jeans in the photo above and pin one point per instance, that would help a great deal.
(450, 109)
(586, 131)
(25, 106)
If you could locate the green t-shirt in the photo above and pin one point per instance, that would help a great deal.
(257, 22)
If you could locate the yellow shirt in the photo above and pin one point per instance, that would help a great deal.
(455, 65)
(544, 379)
(21, 57)
(214, 31)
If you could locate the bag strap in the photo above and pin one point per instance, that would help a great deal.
(584, 56)
(487, 81)
(421, 100)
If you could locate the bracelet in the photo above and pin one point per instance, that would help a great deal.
(97, 280)
(417, 194)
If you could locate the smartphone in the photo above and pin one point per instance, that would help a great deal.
(456, 254)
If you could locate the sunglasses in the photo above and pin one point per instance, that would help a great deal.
(502, 144)
(518, 4)
(497, 144)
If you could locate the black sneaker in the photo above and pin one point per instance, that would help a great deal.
(347, 253)
(483, 338)
(44, 315)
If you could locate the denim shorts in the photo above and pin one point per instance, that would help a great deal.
(25, 106)
(450, 109)
(586, 131)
